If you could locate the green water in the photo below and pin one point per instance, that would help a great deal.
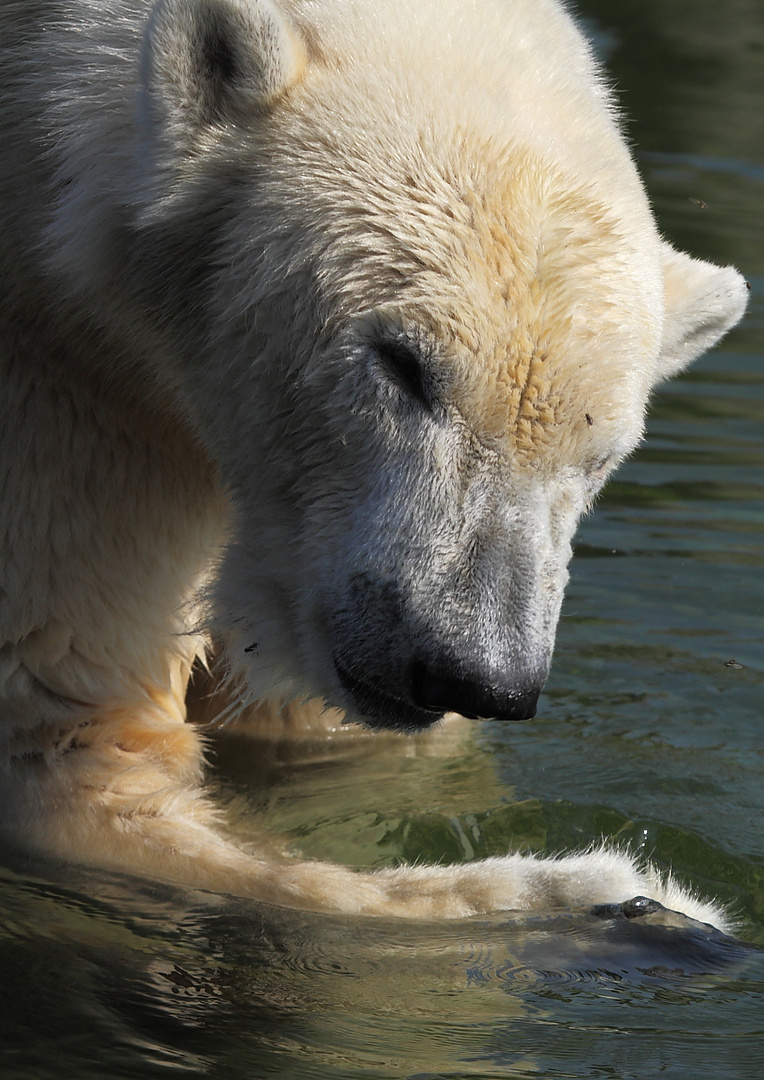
(645, 735)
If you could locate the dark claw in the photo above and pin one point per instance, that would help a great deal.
(630, 909)
(640, 905)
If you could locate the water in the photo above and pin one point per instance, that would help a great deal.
(646, 734)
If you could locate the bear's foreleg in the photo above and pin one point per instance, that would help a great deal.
(124, 792)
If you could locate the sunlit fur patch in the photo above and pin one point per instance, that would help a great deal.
(529, 289)
(546, 337)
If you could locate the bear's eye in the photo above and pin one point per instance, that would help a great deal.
(404, 363)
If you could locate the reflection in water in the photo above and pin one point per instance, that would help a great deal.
(147, 978)
(645, 736)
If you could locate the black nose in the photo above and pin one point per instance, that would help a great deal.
(440, 693)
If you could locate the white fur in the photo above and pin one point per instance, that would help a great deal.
(325, 320)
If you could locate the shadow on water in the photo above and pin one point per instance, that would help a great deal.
(113, 977)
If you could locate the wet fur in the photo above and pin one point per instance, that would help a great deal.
(221, 220)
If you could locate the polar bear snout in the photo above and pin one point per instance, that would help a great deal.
(476, 641)
(421, 694)
(411, 688)
(444, 690)
(425, 696)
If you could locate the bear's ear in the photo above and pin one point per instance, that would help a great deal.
(205, 62)
(703, 302)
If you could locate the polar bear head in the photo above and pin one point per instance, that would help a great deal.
(405, 278)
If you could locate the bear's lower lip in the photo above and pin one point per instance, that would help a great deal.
(384, 711)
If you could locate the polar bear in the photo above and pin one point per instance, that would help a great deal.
(322, 323)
